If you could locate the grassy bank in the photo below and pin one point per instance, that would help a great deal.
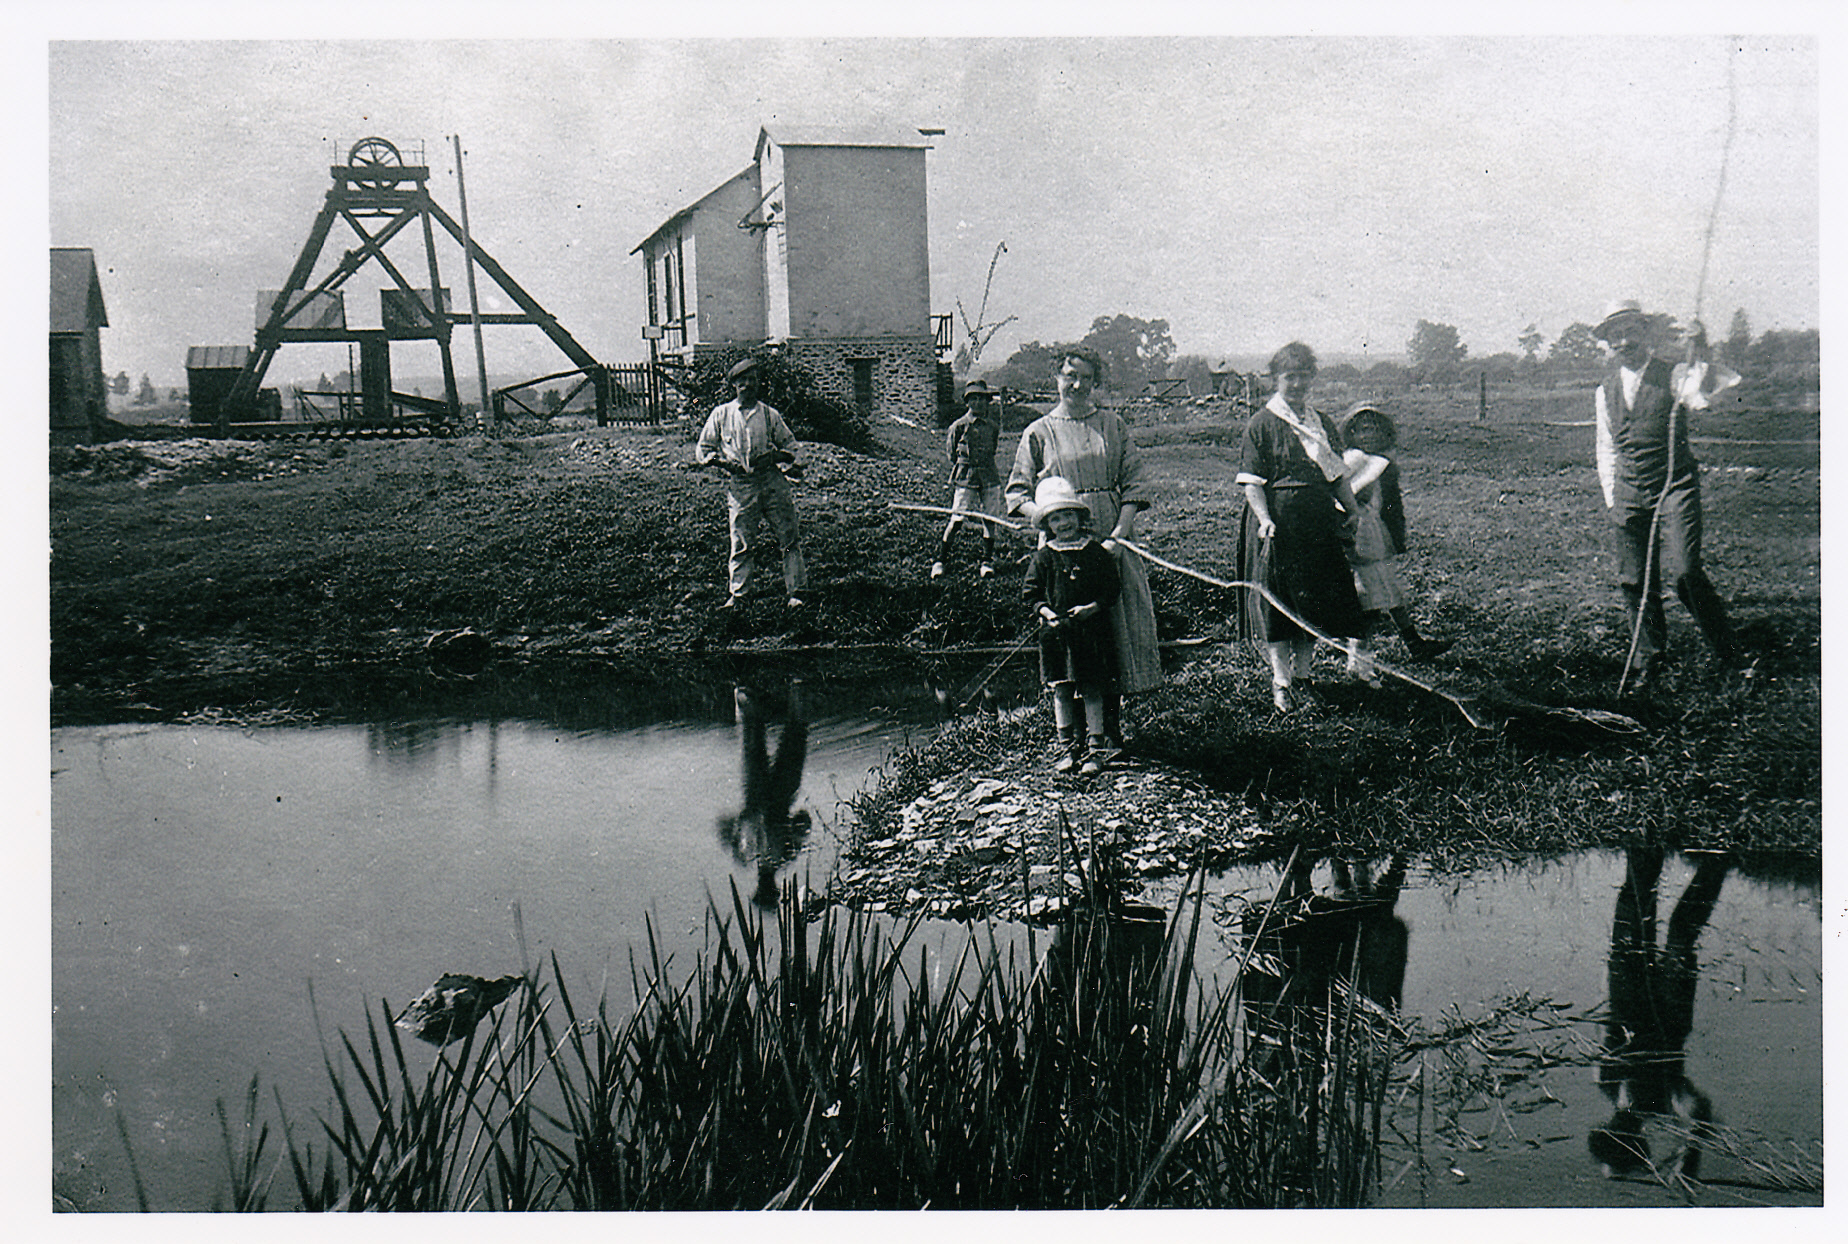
(188, 578)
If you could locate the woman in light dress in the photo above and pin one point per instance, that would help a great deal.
(1091, 447)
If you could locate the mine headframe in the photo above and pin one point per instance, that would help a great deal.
(378, 196)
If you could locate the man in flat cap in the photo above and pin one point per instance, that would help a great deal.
(1648, 475)
(748, 440)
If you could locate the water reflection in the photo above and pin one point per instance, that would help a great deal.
(1652, 989)
(764, 831)
(1321, 984)
(1307, 944)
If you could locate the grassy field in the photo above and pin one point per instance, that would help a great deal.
(192, 576)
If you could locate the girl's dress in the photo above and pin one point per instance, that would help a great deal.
(1097, 455)
(1083, 651)
(1306, 562)
(1376, 578)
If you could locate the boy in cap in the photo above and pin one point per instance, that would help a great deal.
(1647, 477)
(975, 484)
(1072, 583)
(748, 440)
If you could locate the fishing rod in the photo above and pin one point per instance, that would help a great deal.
(1470, 714)
(1674, 411)
(969, 514)
(963, 700)
(1463, 705)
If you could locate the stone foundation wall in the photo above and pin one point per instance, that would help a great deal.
(904, 372)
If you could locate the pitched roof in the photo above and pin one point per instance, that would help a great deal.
(76, 294)
(748, 171)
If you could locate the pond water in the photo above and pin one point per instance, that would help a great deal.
(206, 879)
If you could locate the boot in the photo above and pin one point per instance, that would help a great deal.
(1094, 763)
(1071, 750)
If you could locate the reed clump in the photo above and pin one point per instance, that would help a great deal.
(834, 1064)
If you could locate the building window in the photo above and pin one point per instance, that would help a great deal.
(863, 382)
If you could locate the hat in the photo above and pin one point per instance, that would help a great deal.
(1055, 493)
(1616, 311)
(1368, 408)
(743, 365)
(977, 388)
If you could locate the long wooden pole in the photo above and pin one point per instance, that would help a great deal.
(474, 304)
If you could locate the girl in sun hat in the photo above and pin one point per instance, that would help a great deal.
(1072, 582)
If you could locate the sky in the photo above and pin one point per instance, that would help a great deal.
(1247, 188)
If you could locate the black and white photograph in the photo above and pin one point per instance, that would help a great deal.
(978, 609)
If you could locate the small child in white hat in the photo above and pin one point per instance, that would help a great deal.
(1072, 582)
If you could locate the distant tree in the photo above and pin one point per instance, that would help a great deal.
(1387, 375)
(1133, 350)
(1028, 368)
(1435, 353)
(323, 385)
(147, 394)
(1575, 349)
(1662, 331)
(552, 401)
(174, 395)
(1738, 344)
(1789, 359)
(1530, 342)
(1339, 373)
(119, 383)
(1501, 368)
(1196, 370)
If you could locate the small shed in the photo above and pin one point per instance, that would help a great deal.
(210, 373)
(79, 394)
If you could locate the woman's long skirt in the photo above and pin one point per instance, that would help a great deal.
(1305, 565)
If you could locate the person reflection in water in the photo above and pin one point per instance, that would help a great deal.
(1643, 1071)
(1310, 942)
(765, 832)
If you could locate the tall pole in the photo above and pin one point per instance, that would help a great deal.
(474, 304)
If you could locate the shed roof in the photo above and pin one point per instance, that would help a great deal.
(216, 358)
(76, 293)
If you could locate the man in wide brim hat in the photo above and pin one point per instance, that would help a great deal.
(1624, 315)
(1651, 483)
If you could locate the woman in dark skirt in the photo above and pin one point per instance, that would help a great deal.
(1297, 526)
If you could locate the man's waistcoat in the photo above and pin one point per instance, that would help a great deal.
(1640, 431)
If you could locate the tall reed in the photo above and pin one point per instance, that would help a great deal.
(824, 1064)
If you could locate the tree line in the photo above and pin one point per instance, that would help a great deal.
(1138, 352)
